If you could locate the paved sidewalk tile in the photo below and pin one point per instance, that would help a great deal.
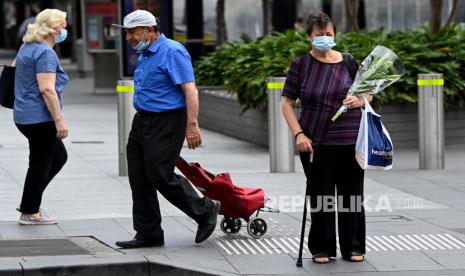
(10, 267)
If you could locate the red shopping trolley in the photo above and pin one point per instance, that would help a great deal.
(236, 202)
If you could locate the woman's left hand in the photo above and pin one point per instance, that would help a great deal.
(353, 102)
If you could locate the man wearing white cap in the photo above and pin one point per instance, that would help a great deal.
(166, 100)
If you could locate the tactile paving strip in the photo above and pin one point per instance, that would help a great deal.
(240, 245)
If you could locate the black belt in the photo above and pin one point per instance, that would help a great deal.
(151, 113)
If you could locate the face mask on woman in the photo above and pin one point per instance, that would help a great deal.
(323, 43)
(142, 45)
(62, 36)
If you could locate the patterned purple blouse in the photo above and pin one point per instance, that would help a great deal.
(322, 87)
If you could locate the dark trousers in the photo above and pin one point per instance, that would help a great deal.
(154, 145)
(335, 168)
(47, 155)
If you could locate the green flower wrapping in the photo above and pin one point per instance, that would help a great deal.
(380, 69)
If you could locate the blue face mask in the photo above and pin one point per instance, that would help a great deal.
(323, 43)
(142, 45)
(62, 36)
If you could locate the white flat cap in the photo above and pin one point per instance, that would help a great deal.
(138, 18)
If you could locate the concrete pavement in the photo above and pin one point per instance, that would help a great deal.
(416, 224)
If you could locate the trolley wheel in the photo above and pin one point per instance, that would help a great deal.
(257, 227)
(230, 226)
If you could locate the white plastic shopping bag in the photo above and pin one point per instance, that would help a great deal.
(374, 149)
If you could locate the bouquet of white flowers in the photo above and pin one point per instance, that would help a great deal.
(380, 69)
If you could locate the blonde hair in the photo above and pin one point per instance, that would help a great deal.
(44, 24)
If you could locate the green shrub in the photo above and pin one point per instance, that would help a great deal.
(243, 67)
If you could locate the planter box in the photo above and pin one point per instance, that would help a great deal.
(221, 112)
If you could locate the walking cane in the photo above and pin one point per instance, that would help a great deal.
(304, 219)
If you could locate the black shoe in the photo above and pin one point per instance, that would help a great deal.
(206, 229)
(135, 243)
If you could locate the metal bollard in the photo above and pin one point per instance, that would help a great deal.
(126, 112)
(431, 121)
(281, 142)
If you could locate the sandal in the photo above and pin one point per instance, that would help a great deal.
(355, 257)
(321, 258)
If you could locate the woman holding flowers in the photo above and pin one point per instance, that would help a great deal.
(321, 79)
